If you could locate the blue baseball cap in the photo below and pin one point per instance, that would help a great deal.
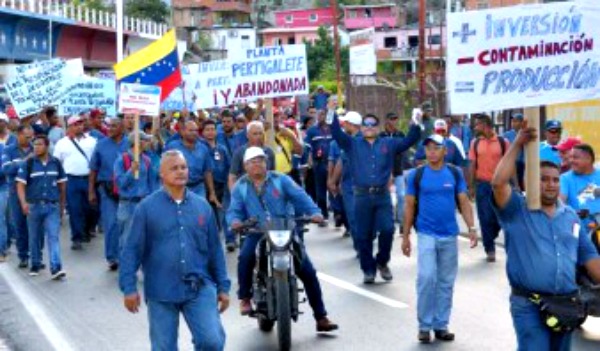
(553, 124)
(435, 138)
(517, 115)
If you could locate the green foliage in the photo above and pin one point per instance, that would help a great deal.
(205, 41)
(154, 10)
(328, 85)
(321, 57)
(92, 5)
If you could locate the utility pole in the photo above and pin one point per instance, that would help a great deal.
(422, 63)
(119, 17)
(336, 48)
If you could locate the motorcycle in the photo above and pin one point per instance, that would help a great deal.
(274, 282)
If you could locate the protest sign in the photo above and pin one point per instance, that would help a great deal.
(260, 73)
(39, 84)
(363, 60)
(106, 74)
(140, 99)
(90, 93)
(523, 56)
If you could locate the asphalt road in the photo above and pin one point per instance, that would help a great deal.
(85, 312)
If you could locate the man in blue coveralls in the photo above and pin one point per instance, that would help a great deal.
(174, 238)
(42, 194)
(544, 248)
(548, 150)
(318, 137)
(102, 166)
(372, 159)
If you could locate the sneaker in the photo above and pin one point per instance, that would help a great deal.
(338, 221)
(369, 278)
(385, 273)
(443, 335)
(58, 275)
(76, 246)
(42, 266)
(231, 246)
(23, 264)
(34, 272)
(324, 325)
(245, 307)
(491, 257)
(424, 336)
(113, 266)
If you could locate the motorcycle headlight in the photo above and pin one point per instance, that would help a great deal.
(280, 238)
(281, 261)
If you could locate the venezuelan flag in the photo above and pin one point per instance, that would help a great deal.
(156, 64)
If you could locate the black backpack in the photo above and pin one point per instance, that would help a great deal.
(417, 184)
(502, 148)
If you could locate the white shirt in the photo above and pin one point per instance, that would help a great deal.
(72, 160)
(459, 145)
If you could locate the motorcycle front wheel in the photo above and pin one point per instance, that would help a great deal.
(284, 312)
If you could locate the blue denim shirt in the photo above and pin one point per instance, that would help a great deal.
(372, 164)
(128, 186)
(42, 182)
(173, 242)
(105, 154)
(3, 181)
(246, 204)
(542, 252)
(231, 143)
(221, 161)
(198, 159)
(319, 138)
(12, 158)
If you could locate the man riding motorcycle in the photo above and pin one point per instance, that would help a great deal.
(266, 195)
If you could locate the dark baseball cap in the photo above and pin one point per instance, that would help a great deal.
(553, 124)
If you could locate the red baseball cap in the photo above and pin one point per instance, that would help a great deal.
(12, 113)
(568, 144)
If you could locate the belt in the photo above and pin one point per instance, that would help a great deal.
(193, 184)
(77, 176)
(360, 190)
(529, 294)
(131, 199)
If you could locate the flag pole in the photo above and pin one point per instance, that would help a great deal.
(136, 143)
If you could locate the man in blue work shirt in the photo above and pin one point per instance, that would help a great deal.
(516, 122)
(577, 186)
(265, 195)
(548, 150)
(431, 207)
(102, 166)
(132, 189)
(256, 137)
(226, 136)
(544, 248)
(42, 195)
(13, 157)
(197, 156)
(455, 152)
(372, 159)
(319, 98)
(221, 162)
(174, 238)
(4, 236)
(319, 138)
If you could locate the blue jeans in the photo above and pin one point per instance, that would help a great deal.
(201, 315)
(532, 334)
(221, 188)
(306, 272)
(78, 206)
(376, 216)
(4, 239)
(490, 227)
(437, 266)
(320, 178)
(44, 218)
(124, 221)
(108, 217)
(348, 197)
(20, 224)
(399, 184)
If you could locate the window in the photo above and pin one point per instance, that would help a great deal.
(390, 42)
(313, 17)
(435, 39)
(413, 41)
(352, 13)
(291, 41)
(368, 13)
(289, 18)
(276, 41)
(483, 4)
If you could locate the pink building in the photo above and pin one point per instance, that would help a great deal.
(367, 16)
(304, 18)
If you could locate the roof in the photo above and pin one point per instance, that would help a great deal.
(367, 6)
(290, 30)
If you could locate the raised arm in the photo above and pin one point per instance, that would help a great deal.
(344, 140)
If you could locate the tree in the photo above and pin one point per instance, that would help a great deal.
(154, 10)
(321, 56)
(97, 5)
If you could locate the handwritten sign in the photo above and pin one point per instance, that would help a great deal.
(363, 60)
(263, 72)
(523, 56)
(90, 93)
(143, 99)
(39, 84)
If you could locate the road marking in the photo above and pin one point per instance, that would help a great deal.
(360, 291)
(40, 317)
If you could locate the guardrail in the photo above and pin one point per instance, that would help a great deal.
(82, 14)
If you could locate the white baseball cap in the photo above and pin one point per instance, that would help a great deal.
(3, 117)
(352, 117)
(440, 124)
(253, 152)
(73, 120)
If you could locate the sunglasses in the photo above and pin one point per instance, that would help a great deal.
(370, 123)
(554, 131)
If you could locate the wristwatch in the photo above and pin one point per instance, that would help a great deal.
(472, 229)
